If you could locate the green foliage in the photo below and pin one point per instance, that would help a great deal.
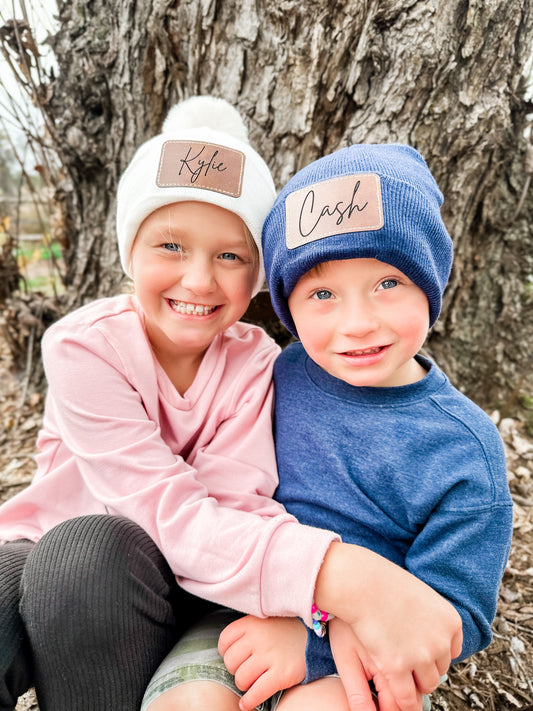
(38, 263)
(35, 254)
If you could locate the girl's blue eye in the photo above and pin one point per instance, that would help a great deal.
(172, 247)
(389, 284)
(229, 256)
(323, 294)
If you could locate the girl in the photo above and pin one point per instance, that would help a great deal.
(158, 410)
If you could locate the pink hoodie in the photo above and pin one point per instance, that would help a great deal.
(196, 472)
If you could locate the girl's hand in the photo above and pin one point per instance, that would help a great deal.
(408, 634)
(264, 655)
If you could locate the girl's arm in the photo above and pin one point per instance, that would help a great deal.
(245, 552)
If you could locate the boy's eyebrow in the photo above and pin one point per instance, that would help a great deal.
(314, 271)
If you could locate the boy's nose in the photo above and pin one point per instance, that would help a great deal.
(358, 318)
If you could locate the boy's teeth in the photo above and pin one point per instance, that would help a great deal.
(183, 307)
(368, 351)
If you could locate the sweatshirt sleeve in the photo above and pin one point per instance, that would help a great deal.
(237, 548)
(318, 658)
(462, 550)
(448, 556)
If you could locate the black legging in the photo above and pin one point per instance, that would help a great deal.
(86, 615)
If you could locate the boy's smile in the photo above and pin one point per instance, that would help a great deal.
(368, 356)
(362, 321)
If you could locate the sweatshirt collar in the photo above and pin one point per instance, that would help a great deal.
(386, 396)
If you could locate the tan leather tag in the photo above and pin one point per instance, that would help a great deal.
(194, 164)
(351, 203)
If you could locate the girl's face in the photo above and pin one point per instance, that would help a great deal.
(362, 321)
(194, 269)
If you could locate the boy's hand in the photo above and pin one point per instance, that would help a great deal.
(264, 655)
(408, 633)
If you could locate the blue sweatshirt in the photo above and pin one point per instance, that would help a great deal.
(416, 473)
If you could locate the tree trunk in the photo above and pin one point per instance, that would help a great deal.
(310, 78)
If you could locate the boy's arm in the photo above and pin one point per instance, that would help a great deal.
(462, 549)
(462, 555)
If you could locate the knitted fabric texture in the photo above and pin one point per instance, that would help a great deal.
(202, 154)
(364, 201)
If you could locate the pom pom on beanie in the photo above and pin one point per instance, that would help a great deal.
(206, 111)
(365, 201)
(202, 154)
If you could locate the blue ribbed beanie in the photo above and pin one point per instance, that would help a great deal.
(368, 201)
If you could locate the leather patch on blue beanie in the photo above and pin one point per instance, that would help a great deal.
(351, 203)
(194, 164)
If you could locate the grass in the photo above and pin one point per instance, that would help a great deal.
(39, 262)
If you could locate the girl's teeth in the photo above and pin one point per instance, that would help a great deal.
(191, 309)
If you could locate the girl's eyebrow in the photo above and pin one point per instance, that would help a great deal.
(166, 232)
(169, 226)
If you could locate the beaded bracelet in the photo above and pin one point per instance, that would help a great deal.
(320, 619)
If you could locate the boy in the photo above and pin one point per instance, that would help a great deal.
(372, 439)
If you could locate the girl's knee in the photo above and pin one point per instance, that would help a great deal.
(84, 568)
(80, 549)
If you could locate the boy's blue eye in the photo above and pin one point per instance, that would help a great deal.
(172, 247)
(229, 256)
(323, 294)
(389, 284)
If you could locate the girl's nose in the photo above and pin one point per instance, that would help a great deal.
(198, 276)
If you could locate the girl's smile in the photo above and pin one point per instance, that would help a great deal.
(191, 309)
(194, 268)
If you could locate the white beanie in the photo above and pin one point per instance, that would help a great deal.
(201, 154)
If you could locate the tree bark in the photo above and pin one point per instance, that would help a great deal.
(310, 78)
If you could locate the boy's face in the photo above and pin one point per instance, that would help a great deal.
(362, 321)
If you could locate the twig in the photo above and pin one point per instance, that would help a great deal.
(29, 362)
(14, 485)
(520, 665)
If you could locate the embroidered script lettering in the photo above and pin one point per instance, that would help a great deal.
(351, 203)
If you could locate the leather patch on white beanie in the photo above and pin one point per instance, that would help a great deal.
(196, 164)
